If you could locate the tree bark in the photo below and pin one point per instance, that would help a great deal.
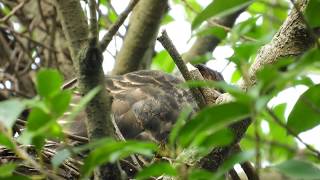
(87, 59)
(141, 35)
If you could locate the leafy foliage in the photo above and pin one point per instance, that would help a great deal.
(194, 135)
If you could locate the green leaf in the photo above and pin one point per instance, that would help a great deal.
(113, 150)
(279, 134)
(157, 169)
(5, 141)
(112, 16)
(298, 169)
(15, 178)
(312, 13)
(167, 19)
(10, 111)
(219, 8)
(163, 61)
(59, 157)
(60, 103)
(184, 114)
(83, 102)
(211, 119)
(308, 104)
(200, 174)
(49, 82)
(37, 119)
(243, 52)
(7, 169)
(218, 32)
(236, 75)
(208, 141)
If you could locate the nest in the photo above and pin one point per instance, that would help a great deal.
(70, 168)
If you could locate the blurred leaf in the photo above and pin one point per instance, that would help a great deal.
(243, 52)
(219, 8)
(167, 19)
(309, 58)
(37, 119)
(200, 174)
(211, 119)
(218, 32)
(49, 82)
(202, 59)
(157, 169)
(5, 141)
(38, 141)
(60, 103)
(231, 161)
(16, 177)
(303, 80)
(112, 150)
(83, 102)
(59, 157)
(184, 115)
(163, 61)
(279, 135)
(298, 169)
(208, 141)
(247, 28)
(307, 104)
(312, 13)
(236, 76)
(112, 16)
(7, 169)
(10, 111)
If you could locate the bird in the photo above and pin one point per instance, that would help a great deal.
(146, 103)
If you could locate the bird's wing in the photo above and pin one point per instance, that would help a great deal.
(147, 103)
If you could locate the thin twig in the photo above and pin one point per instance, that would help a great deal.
(291, 132)
(247, 167)
(168, 45)
(121, 137)
(272, 143)
(25, 156)
(114, 28)
(257, 145)
(234, 175)
(13, 11)
(213, 23)
(93, 26)
(69, 84)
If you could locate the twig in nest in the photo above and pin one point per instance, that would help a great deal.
(120, 136)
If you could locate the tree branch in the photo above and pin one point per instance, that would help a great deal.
(142, 33)
(114, 28)
(168, 45)
(206, 44)
(292, 39)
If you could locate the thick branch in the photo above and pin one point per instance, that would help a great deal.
(74, 24)
(141, 35)
(206, 44)
(292, 39)
(168, 45)
(87, 59)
